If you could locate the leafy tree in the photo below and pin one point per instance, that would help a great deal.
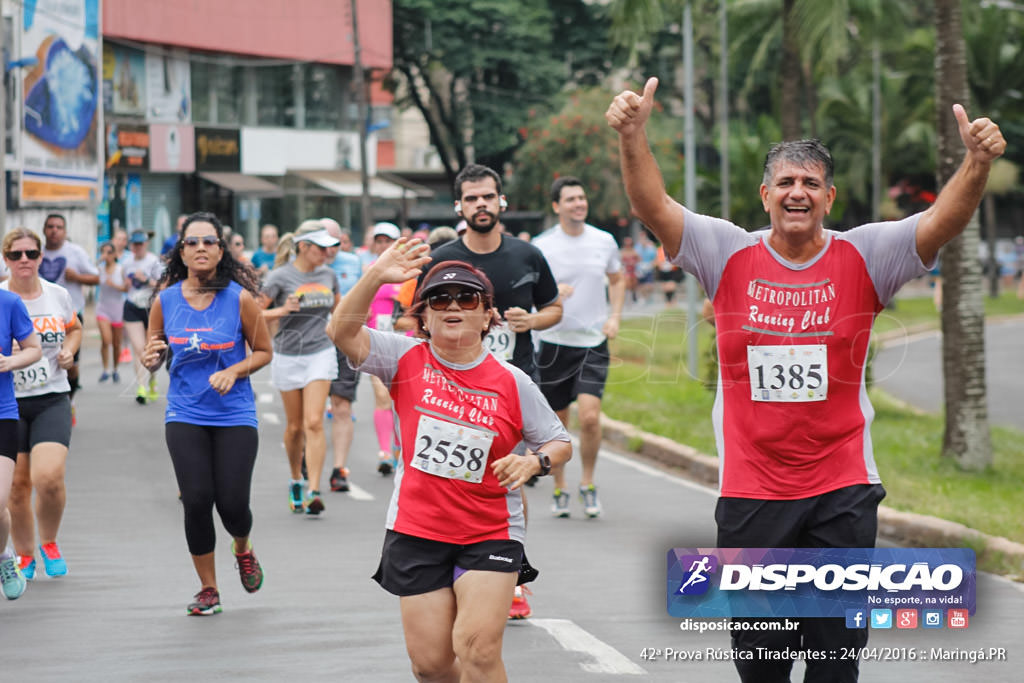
(474, 68)
(577, 141)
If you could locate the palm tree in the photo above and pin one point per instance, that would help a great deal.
(967, 438)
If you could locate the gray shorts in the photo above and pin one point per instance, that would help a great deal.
(348, 380)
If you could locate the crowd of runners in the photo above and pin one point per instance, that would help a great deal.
(476, 343)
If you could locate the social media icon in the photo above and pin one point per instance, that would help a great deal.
(881, 618)
(932, 618)
(906, 618)
(856, 618)
(957, 618)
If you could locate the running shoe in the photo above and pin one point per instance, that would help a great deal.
(520, 608)
(385, 463)
(314, 504)
(152, 394)
(27, 565)
(249, 569)
(588, 496)
(561, 506)
(339, 479)
(140, 395)
(207, 601)
(104, 377)
(115, 377)
(53, 563)
(12, 579)
(295, 496)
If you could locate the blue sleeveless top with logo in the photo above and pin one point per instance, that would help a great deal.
(202, 343)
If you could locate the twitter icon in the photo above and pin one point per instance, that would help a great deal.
(881, 618)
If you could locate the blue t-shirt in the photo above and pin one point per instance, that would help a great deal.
(202, 343)
(14, 324)
(261, 258)
(348, 267)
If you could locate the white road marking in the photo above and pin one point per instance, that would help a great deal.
(650, 471)
(266, 398)
(603, 658)
(270, 418)
(358, 493)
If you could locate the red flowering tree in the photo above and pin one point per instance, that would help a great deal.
(577, 141)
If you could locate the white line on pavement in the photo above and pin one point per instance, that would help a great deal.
(359, 493)
(266, 398)
(603, 658)
(271, 418)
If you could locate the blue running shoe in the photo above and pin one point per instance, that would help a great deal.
(27, 565)
(295, 496)
(12, 579)
(53, 563)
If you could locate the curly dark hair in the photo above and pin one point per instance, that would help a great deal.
(228, 269)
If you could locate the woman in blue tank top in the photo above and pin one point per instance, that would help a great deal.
(207, 315)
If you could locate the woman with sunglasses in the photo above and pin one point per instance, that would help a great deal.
(299, 296)
(44, 407)
(110, 311)
(454, 541)
(206, 313)
(19, 350)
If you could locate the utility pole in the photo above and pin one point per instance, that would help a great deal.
(360, 88)
(3, 126)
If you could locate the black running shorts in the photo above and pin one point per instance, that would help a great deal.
(410, 565)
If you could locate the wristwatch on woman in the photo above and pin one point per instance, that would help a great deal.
(545, 464)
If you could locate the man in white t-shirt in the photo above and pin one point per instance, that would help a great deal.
(68, 265)
(573, 359)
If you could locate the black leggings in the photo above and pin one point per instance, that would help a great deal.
(213, 466)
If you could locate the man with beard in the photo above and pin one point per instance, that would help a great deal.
(522, 281)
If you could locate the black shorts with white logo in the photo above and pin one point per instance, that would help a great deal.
(568, 371)
(410, 565)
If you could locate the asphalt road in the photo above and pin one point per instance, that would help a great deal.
(120, 613)
(911, 369)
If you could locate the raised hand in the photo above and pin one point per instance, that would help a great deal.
(982, 138)
(628, 112)
(402, 261)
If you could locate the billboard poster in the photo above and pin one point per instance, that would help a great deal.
(168, 88)
(63, 113)
(127, 146)
(127, 79)
(172, 148)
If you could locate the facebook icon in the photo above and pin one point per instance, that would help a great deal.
(855, 619)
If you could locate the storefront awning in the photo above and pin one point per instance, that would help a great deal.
(349, 184)
(246, 185)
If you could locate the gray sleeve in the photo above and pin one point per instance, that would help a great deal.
(889, 251)
(271, 287)
(385, 350)
(540, 423)
(707, 245)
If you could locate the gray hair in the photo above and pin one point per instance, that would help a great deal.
(803, 153)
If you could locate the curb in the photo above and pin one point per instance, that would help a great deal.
(903, 528)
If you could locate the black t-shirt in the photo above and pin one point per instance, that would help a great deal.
(521, 277)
